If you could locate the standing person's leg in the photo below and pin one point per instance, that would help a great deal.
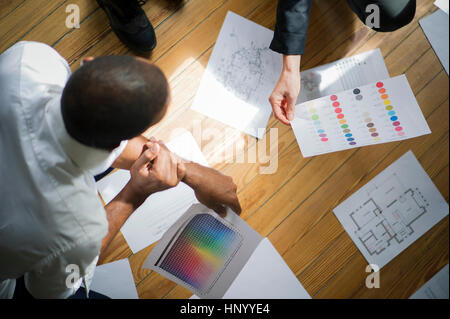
(130, 23)
(394, 14)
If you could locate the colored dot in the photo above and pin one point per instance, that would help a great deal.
(315, 117)
(353, 143)
(342, 121)
(396, 123)
(317, 123)
(359, 97)
(376, 139)
(336, 104)
(351, 139)
(372, 130)
(323, 135)
(324, 139)
(340, 116)
(384, 96)
(387, 102)
(321, 131)
(368, 120)
(382, 91)
(344, 126)
(375, 134)
(394, 118)
(380, 84)
(312, 111)
(399, 128)
(401, 133)
(334, 98)
(356, 91)
(389, 107)
(391, 113)
(370, 125)
(347, 131)
(348, 135)
(338, 110)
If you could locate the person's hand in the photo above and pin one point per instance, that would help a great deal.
(213, 189)
(285, 94)
(157, 169)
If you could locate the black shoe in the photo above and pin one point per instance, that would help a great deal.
(130, 23)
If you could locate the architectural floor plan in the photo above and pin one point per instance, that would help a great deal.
(393, 210)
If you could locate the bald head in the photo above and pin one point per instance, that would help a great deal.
(113, 98)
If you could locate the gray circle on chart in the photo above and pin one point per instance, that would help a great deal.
(359, 97)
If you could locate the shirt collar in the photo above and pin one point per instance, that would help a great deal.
(86, 157)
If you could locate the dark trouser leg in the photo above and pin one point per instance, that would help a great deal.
(394, 14)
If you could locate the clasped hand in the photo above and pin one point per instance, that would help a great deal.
(157, 169)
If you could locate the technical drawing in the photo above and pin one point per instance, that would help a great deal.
(243, 73)
(388, 217)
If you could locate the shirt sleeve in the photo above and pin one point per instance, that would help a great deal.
(115, 153)
(62, 275)
(291, 26)
(41, 64)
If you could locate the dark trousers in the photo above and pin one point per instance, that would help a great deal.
(394, 14)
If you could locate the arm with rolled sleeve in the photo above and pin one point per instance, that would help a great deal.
(291, 27)
(290, 40)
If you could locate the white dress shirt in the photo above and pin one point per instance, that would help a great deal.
(51, 217)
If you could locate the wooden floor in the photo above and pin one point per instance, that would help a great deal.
(292, 207)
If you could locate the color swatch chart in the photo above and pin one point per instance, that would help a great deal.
(201, 251)
(381, 112)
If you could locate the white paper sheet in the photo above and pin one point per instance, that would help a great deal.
(436, 287)
(240, 77)
(435, 26)
(149, 222)
(204, 252)
(359, 117)
(344, 74)
(115, 280)
(443, 5)
(392, 211)
(266, 276)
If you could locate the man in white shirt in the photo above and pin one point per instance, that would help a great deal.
(57, 131)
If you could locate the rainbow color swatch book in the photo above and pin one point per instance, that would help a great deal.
(381, 112)
(204, 252)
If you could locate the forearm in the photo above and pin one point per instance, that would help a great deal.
(118, 211)
(195, 173)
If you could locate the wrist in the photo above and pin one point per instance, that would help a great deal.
(192, 176)
(291, 63)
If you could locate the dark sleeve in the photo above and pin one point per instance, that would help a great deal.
(291, 27)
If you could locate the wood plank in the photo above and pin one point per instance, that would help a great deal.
(239, 8)
(312, 211)
(23, 18)
(8, 6)
(46, 32)
(425, 148)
